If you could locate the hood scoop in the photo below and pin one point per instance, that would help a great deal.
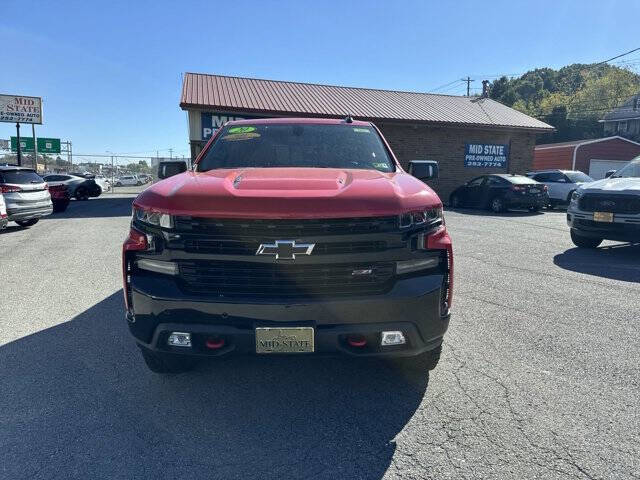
(281, 179)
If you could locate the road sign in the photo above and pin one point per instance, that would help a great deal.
(48, 145)
(20, 109)
(45, 145)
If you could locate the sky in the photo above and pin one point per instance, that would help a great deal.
(110, 72)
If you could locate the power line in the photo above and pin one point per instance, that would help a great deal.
(443, 86)
(613, 58)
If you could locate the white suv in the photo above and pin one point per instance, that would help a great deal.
(560, 184)
(128, 180)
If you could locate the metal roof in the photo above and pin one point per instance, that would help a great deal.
(629, 110)
(274, 97)
(574, 143)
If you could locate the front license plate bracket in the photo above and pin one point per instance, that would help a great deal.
(284, 340)
(606, 217)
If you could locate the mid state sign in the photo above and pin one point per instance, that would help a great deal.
(486, 155)
(20, 109)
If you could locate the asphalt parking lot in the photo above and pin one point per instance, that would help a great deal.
(540, 374)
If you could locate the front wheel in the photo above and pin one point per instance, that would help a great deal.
(27, 223)
(584, 242)
(160, 362)
(497, 205)
(82, 194)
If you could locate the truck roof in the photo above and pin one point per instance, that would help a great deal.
(309, 121)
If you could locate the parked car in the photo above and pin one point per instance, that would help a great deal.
(128, 180)
(26, 195)
(263, 250)
(607, 209)
(145, 178)
(60, 197)
(4, 218)
(80, 188)
(560, 184)
(500, 192)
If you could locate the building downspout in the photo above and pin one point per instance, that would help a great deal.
(575, 152)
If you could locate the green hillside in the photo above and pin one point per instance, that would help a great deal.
(572, 99)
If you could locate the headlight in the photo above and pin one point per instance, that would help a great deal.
(575, 196)
(156, 219)
(422, 217)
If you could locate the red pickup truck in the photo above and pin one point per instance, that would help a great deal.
(290, 236)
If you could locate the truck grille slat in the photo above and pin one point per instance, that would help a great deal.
(235, 247)
(283, 280)
(597, 202)
(234, 228)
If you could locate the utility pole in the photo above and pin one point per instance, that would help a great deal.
(468, 81)
(171, 154)
(18, 143)
(113, 184)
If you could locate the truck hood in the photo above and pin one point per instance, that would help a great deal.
(288, 193)
(621, 185)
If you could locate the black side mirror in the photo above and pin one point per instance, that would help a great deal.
(609, 173)
(169, 169)
(424, 169)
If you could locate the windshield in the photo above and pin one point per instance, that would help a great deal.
(632, 169)
(298, 145)
(579, 177)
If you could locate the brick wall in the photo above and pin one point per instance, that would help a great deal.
(447, 146)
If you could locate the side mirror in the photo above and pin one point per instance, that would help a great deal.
(169, 169)
(424, 169)
(609, 173)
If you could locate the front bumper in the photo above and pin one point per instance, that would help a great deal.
(412, 306)
(624, 228)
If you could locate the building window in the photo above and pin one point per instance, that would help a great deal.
(622, 127)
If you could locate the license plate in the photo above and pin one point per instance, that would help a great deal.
(284, 340)
(534, 190)
(603, 217)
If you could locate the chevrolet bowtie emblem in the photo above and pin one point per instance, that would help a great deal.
(285, 249)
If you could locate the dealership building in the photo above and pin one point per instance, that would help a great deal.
(468, 136)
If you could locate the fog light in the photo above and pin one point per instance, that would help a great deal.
(179, 339)
(394, 337)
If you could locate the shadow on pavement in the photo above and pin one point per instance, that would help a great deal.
(78, 402)
(618, 262)
(103, 206)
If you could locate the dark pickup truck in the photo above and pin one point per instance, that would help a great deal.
(290, 236)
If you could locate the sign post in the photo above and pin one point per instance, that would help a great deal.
(18, 137)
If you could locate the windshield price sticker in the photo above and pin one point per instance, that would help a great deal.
(486, 155)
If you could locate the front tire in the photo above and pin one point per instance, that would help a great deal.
(82, 194)
(584, 242)
(160, 362)
(27, 223)
(497, 205)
